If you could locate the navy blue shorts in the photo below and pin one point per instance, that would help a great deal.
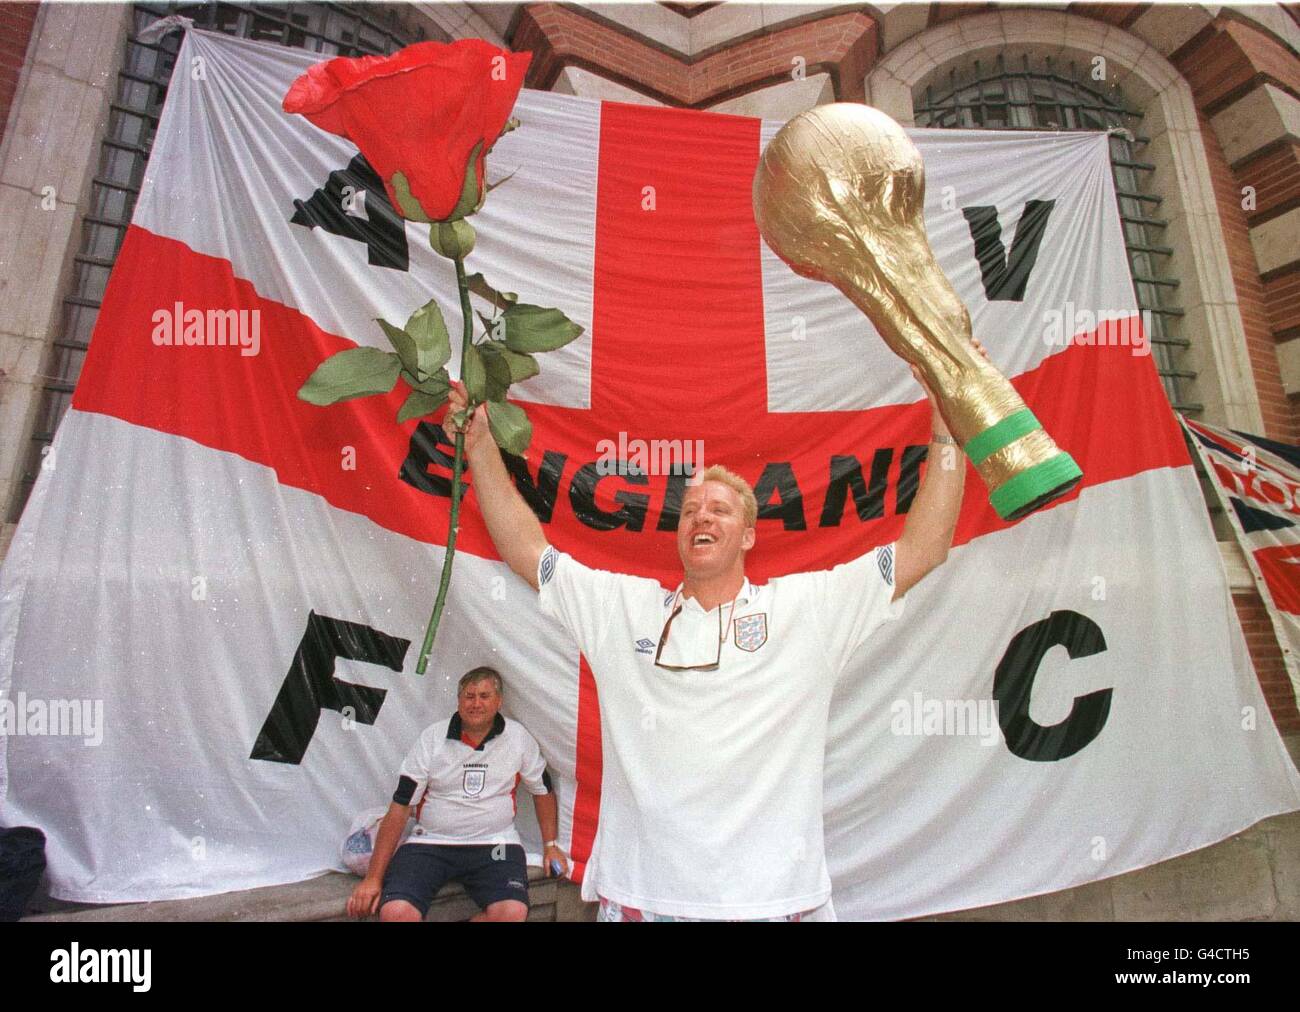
(418, 870)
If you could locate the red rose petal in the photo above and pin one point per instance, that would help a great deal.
(420, 111)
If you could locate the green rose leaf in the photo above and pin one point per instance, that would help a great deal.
(495, 329)
(429, 333)
(498, 371)
(403, 343)
(357, 372)
(479, 286)
(510, 427)
(406, 203)
(470, 199)
(522, 365)
(419, 404)
(532, 328)
(439, 384)
(475, 377)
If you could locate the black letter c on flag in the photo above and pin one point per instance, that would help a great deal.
(1014, 683)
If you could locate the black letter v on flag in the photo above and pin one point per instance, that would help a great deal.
(1006, 277)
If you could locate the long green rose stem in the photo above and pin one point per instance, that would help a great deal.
(457, 467)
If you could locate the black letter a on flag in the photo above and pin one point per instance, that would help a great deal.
(379, 226)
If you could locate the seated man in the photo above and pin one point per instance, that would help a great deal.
(461, 777)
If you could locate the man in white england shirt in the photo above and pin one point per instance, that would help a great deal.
(714, 696)
(459, 781)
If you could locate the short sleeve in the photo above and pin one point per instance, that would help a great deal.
(578, 597)
(853, 600)
(532, 767)
(413, 777)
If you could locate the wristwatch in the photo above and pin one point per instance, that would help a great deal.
(551, 843)
(943, 440)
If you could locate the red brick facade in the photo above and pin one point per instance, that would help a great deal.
(842, 45)
(1274, 172)
(1229, 59)
(1280, 420)
(1267, 657)
(16, 21)
(1222, 64)
(1282, 297)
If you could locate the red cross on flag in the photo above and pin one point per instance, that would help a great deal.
(237, 576)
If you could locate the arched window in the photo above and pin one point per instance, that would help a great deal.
(331, 28)
(1046, 95)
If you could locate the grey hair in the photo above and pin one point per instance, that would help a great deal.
(481, 674)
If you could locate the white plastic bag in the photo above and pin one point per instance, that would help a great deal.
(359, 846)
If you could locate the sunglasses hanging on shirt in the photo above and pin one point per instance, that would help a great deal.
(663, 638)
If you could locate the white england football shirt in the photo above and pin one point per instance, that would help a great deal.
(468, 793)
(711, 790)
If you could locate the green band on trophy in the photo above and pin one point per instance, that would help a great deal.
(1028, 490)
(1004, 433)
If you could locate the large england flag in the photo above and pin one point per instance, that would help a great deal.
(242, 579)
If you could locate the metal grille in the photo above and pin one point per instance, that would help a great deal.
(330, 28)
(1051, 96)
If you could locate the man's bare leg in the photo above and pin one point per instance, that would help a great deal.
(399, 910)
(503, 910)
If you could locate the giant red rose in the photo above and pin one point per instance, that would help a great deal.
(418, 116)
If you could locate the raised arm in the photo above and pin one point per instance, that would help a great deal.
(512, 525)
(932, 520)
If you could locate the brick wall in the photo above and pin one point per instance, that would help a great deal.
(1222, 64)
(1282, 299)
(1230, 58)
(1280, 418)
(842, 45)
(1275, 174)
(16, 20)
(1264, 651)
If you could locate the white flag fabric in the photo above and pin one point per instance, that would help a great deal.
(240, 580)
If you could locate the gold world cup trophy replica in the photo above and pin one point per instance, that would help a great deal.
(839, 195)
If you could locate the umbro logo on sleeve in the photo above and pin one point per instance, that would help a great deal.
(645, 646)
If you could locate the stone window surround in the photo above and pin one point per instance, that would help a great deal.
(52, 139)
(1225, 381)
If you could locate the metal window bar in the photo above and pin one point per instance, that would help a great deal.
(333, 28)
(1053, 98)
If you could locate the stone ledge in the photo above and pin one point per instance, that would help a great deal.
(1253, 875)
(319, 899)
(1248, 877)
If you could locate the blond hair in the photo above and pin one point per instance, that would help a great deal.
(737, 484)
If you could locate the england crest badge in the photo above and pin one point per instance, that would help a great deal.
(473, 782)
(751, 631)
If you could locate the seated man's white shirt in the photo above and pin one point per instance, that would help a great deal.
(711, 790)
(469, 793)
